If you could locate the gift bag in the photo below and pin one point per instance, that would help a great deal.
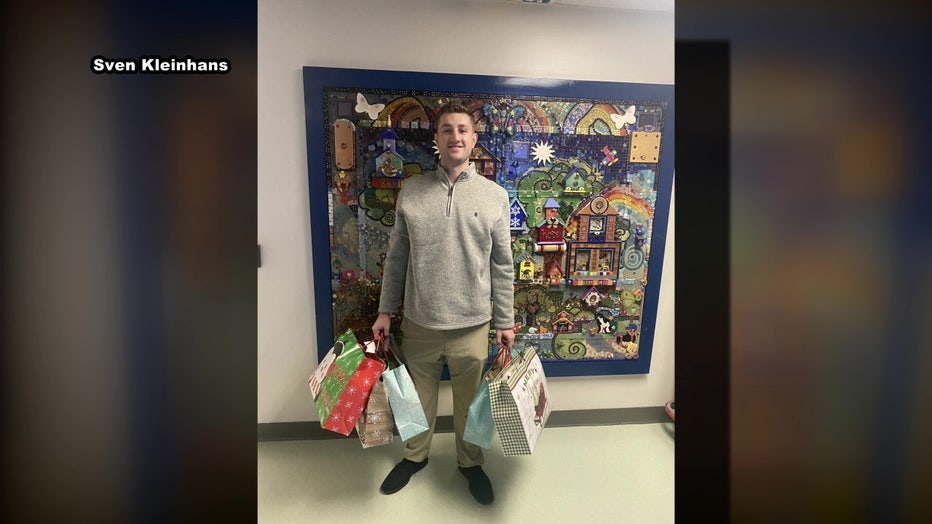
(376, 425)
(408, 413)
(348, 354)
(520, 403)
(345, 390)
(480, 427)
(347, 341)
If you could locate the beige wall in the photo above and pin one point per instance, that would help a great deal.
(486, 37)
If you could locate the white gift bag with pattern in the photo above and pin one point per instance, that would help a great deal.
(521, 403)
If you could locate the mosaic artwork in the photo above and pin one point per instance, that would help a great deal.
(583, 175)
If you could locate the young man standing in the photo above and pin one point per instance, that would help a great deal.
(448, 254)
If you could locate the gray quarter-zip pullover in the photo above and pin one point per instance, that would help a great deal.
(449, 253)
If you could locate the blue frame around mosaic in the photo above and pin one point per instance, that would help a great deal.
(588, 166)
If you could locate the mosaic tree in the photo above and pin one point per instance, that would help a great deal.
(530, 301)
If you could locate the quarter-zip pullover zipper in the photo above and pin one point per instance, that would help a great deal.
(450, 189)
(450, 199)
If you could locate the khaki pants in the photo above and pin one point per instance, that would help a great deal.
(465, 352)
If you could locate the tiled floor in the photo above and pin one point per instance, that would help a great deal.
(592, 474)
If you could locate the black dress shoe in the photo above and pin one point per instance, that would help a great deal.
(400, 475)
(479, 484)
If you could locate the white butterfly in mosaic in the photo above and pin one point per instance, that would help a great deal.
(627, 118)
(363, 106)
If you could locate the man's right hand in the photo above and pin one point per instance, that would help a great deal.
(382, 325)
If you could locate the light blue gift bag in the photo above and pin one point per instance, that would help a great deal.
(480, 428)
(410, 419)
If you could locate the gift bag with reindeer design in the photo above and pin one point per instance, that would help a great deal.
(521, 403)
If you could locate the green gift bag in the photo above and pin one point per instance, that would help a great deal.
(345, 364)
(345, 340)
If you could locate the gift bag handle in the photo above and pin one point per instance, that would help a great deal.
(502, 358)
(379, 352)
(386, 349)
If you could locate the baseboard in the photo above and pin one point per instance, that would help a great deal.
(581, 417)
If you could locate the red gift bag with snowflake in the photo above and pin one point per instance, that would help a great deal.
(342, 410)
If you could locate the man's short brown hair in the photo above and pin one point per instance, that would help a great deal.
(455, 107)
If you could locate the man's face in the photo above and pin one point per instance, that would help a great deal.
(455, 138)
